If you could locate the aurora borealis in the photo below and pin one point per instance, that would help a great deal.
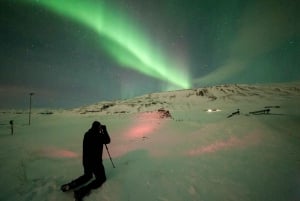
(73, 52)
(124, 42)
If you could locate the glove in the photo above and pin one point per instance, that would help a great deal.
(103, 127)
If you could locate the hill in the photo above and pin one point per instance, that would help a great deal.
(200, 144)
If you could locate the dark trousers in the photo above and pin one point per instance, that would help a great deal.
(89, 171)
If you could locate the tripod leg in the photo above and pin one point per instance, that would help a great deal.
(109, 156)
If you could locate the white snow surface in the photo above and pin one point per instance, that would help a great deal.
(198, 154)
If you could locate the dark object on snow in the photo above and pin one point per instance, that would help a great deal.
(46, 113)
(93, 142)
(11, 122)
(234, 113)
(266, 111)
(276, 106)
(164, 113)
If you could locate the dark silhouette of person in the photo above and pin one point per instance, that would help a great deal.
(92, 150)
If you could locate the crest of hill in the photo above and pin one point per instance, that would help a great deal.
(179, 98)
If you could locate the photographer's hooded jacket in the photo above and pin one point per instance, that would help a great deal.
(93, 145)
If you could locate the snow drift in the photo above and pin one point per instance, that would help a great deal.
(177, 145)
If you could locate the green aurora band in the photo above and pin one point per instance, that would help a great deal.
(120, 38)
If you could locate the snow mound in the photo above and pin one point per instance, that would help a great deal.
(169, 146)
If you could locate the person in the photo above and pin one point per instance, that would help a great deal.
(92, 150)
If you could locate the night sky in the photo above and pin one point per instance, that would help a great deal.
(74, 52)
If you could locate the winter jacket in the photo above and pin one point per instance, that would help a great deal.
(93, 146)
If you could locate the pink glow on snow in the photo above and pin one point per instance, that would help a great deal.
(144, 124)
(141, 130)
(216, 146)
(225, 144)
(57, 153)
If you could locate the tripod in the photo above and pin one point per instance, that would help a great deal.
(109, 155)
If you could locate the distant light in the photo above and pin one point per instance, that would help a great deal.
(213, 110)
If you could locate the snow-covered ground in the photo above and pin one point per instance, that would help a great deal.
(197, 154)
